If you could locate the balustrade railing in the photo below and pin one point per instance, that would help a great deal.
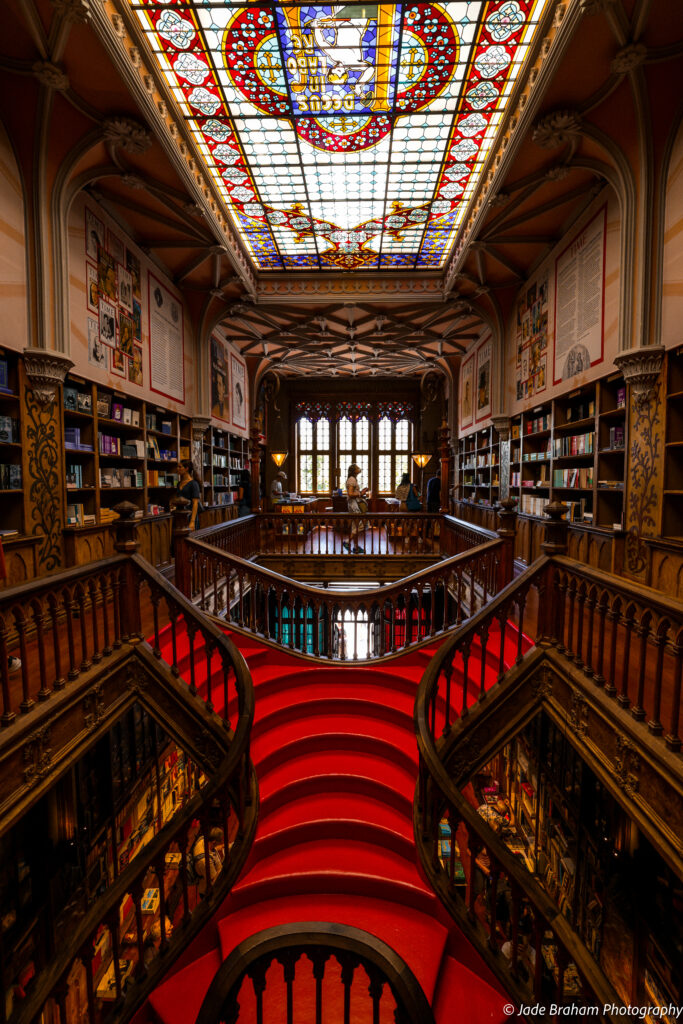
(367, 623)
(348, 966)
(627, 643)
(66, 630)
(344, 533)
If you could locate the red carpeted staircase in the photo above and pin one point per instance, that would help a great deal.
(336, 759)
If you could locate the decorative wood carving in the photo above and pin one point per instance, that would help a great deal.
(645, 464)
(43, 479)
(45, 370)
(627, 765)
(93, 707)
(37, 756)
(578, 714)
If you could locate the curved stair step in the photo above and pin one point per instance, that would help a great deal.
(336, 762)
(330, 806)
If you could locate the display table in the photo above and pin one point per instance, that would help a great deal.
(296, 506)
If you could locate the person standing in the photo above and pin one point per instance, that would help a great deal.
(276, 487)
(402, 491)
(354, 496)
(434, 494)
(188, 487)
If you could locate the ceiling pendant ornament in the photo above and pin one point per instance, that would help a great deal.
(557, 128)
(51, 75)
(126, 133)
(630, 57)
(343, 137)
(76, 11)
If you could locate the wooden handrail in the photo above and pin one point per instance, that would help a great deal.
(320, 940)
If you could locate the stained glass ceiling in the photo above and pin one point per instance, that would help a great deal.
(343, 136)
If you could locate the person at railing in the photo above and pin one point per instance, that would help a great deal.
(215, 858)
(434, 494)
(188, 487)
(276, 487)
(244, 494)
(408, 495)
(355, 500)
(498, 815)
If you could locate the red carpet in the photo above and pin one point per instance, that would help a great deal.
(336, 759)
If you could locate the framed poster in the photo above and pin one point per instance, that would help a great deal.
(467, 392)
(580, 301)
(483, 389)
(238, 391)
(91, 289)
(220, 397)
(107, 323)
(98, 354)
(94, 235)
(166, 341)
(531, 339)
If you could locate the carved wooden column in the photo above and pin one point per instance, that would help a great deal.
(643, 372)
(126, 543)
(255, 467)
(180, 511)
(200, 425)
(507, 528)
(501, 424)
(445, 453)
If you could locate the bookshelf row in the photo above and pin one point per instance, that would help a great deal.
(115, 448)
(570, 449)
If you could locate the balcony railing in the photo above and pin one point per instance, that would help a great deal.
(625, 642)
(78, 634)
(341, 959)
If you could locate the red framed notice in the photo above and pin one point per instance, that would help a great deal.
(166, 341)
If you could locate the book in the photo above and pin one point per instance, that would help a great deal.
(4, 375)
(84, 401)
(8, 431)
(70, 398)
(104, 406)
(134, 418)
(127, 414)
(117, 411)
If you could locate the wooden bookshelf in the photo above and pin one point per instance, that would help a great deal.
(479, 467)
(672, 498)
(224, 455)
(11, 470)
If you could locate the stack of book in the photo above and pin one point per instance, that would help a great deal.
(73, 442)
(10, 477)
(9, 429)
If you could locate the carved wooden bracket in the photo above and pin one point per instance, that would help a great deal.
(641, 368)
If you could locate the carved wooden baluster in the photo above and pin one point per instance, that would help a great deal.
(20, 625)
(257, 973)
(252, 605)
(561, 591)
(655, 725)
(461, 596)
(96, 591)
(216, 589)
(448, 673)
(181, 840)
(173, 614)
(521, 607)
(87, 955)
(60, 994)
(672, 740)
(623, 697)
(53, 605)
(581, 601)
(598, 677)
(39, 621)
(474, 846)
(136, 894)
(473, 593)
(502, 625)
(240, 586)
(419, 612)
(330, 629)
(465, 652)
(493, 903)
(117, 608)
(202, 582)
(590, 607)
(613, 616)
(638, 711)
(8, 715)
(516, 902)
(155, 598)
(375, 990)
(432, 710)
(112, 923)
(348, 968)
(454, 823)
(80, 598)
(225, 672)
(160, 871)
(483, 642)
(191, 632)
(570, 650)
(209, 649)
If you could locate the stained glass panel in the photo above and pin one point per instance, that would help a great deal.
(305, 473)
(343, 136)
(305, 435)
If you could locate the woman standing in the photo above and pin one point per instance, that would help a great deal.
(354, 495)
(188, 487)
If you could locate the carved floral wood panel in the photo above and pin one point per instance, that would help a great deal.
(645, 476)
(44, 515)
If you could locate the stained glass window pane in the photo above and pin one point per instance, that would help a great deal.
(384, 434)
(343, 137)
(305, 435)
(402, 435)
(345, 432)
(402, 466)
(364, 475)
(386, 484)
(323, 432)
(323, 474)
(363, 434)
(305, 473)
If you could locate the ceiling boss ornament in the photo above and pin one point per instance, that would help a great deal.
(343, 136)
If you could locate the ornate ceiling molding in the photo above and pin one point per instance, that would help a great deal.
(77, 12)
(315, 289)
(556, 128)
(126, 133)
(51, 75)
(630, 57)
